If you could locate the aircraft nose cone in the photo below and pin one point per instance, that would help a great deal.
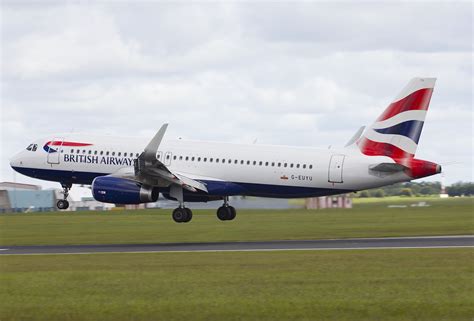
(15, 162)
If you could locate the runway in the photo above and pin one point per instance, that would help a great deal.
(333, 244)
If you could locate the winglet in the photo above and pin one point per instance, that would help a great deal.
(355, 137)
(152, 148)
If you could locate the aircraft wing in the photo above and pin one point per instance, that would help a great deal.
(149, 170)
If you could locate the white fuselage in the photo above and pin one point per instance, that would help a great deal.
(259, 170)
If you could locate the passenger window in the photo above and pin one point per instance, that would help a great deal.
(90, 152)
(107, 153)
(248, 162)
(266, 163)
(255, 162)
(217, 160)
(241, 162)
(83, 151)
(72, 151)
(95, 153)
(199, 159)
(125, 154)
(78, 151)
(229, 161)
(291, 165)
(180, 157)
(192, 159)
(205, 159)
(279, 164)
(236, 161)
(159, 156)
(174, 157)
(168, 156)
(187, 158)
(101, 152)
(136, 155)
(310, 166)
(273, 164)
(284, 165)
(113, 153)
(119, 154)
(210, 159)
(297, 165)
(260, 163)
(304, 165)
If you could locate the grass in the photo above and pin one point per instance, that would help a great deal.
(442, 217)
(407, 284)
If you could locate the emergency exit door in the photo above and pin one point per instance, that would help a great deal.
(336, 166)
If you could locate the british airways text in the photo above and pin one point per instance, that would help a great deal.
(90, 159)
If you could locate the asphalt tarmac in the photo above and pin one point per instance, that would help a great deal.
(333, 244)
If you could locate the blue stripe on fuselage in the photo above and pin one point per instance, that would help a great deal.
(215, 188)
(411, 129)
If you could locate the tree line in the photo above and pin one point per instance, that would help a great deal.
(420, 189)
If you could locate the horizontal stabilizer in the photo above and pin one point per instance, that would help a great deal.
(388, 167)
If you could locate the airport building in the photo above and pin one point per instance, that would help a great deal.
(17, 197)
(339, 201)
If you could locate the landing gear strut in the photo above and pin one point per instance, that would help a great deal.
(226, 212)
(181, 214)
(64, 204)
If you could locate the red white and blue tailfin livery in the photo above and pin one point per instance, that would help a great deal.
(126, 170)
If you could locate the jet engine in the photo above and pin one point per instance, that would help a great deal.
(109, 189)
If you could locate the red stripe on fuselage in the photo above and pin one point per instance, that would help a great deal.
(69, 144)
(418, 100)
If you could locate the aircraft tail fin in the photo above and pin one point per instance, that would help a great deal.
(397, 131)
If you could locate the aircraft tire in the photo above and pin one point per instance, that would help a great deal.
(179, 215)
(189, 215)
(62, 204)
(233, 213)
(224, 213)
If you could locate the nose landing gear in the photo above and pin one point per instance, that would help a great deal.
(64, 204)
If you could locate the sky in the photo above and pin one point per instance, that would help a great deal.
(292, 73)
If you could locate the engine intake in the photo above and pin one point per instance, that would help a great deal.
(108, 189)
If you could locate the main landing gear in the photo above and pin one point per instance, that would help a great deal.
(64, 204)
(226, 212)
(182, 214)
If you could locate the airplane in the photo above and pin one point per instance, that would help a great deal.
(123, 170)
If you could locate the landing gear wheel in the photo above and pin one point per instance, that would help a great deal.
(189, 215)
(62, 204)
(226, 213)
(233, 213)
(179, 215)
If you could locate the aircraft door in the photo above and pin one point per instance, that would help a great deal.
(336, 165)
(54, 149)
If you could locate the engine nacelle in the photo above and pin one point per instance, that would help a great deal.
(108, 189)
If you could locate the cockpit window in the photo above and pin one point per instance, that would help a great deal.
(32, 147)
